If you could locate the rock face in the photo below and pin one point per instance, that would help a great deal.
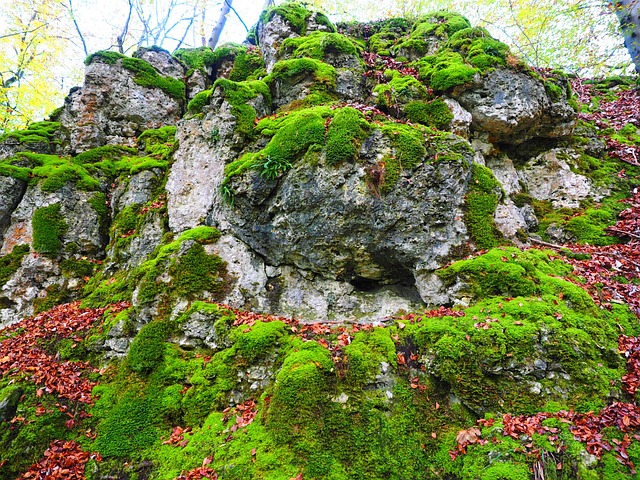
(111, 108)
(513, 107)
(357, 237)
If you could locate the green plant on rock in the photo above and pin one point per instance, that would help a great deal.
(238, 94)
(291, 71)
(400, 90)
(297, 15)
(318, 45)
(38, 132)
(435, 113)
(292, 136)
(345, 134)
(481, 202)
(49, 227)
(10, 262)
(432, 27)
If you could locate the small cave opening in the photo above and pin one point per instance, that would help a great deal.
(365, 284)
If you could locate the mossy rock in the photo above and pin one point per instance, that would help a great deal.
(10, 262)
(296, 15)
(49, 227)
(35, 133)
(435, 113)
(321, 46)
(399, 91)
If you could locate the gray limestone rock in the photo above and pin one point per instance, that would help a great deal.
(9, 401)
(549, 177)
(11, 193)
(270, 38)
(111, 108)
(513, 107)
(162, 61)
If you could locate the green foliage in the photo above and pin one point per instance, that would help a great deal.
(318, 45)
(52, 171)
(238, 94)
(196, 58)
(432, 114)
(258, 340)
(159, 143)
(106, 152)
(55, 295)
(288, 70)
(23, 443)
(10, 262)
(147, 350)
(446, 70)
(197, 103)
(147, 76)
(481, 202)
(400, 90)
(292, 136)
(296, 15)
(105, 56)
(435, 24)
(48, 226)
(38, 132)
(77, 268)
(346, 132)
(196, 272)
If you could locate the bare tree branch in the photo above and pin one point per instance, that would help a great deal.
(75, 23)
(125, 30)
(228, 2)
(219, 26)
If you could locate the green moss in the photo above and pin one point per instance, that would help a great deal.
(38, 132)
(128, 423)
(55, 295)
(196, 272)
(105, 56)
(296, 14)
(77, 268)
(479, 48)
(147, 349)
(197, 103)
(238, 94)
(446, 70)
(48, 226)
(106, 152)
(195, 58)
(408, 142)
(257, 340)
(400, 90)
(292, 136)
(435, 24)
(346, 132)
(10, 262)
(481, 202)
(101, 290)
(318, 45)
(100, 205)
(147, 76)
(432, 114)
(159, 143)
(291, 70)
(23, 443)
(365, 353)
(52, 171)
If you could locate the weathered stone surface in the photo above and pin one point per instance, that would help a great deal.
(11, 192)
(513, 107)
(136, 189)
(461, 122)
(197, 82)
(162, 61)
(270, 38)
(195, 177)
(510, 220)
(112, 109)
(549, 177)
(83, 222)
(327, 221)
(9, 401)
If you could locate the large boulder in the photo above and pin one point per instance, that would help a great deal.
(513, 107)
(121, 97)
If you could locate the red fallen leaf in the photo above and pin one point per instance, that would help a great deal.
(401, 359)
(253, 452)
(434, 435)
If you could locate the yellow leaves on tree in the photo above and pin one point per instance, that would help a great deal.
(33, 45)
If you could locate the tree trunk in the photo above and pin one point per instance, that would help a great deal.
(217, 29)
(628, 12)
